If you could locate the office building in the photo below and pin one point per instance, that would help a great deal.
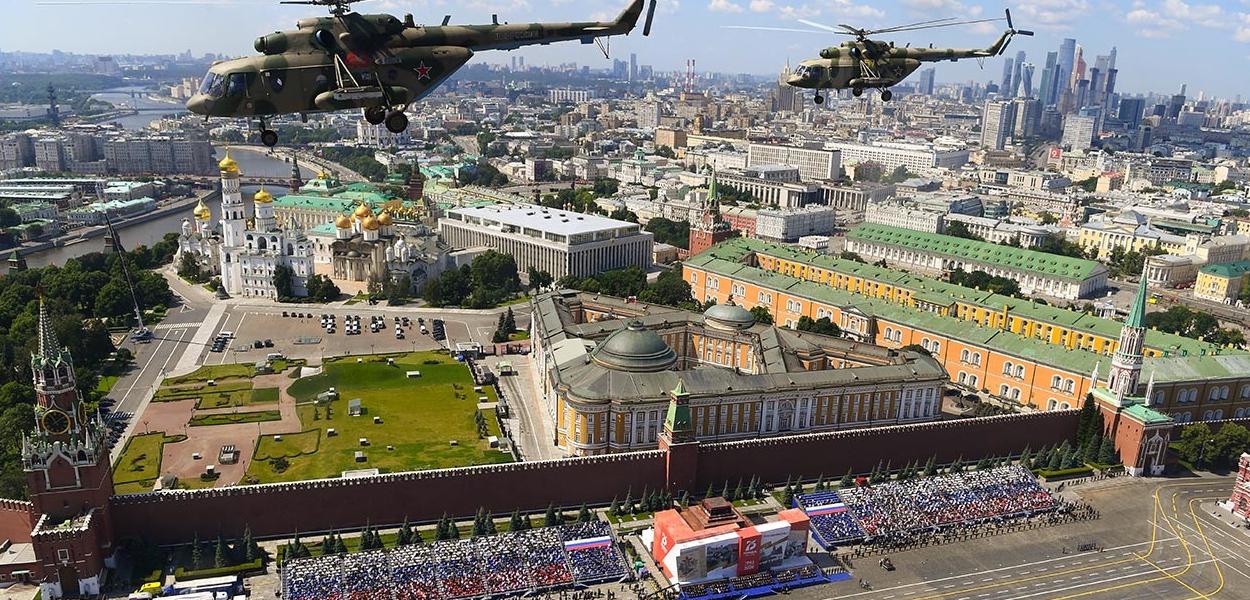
(998, 119)
(917, 158)
(1078, 132)
(557, 241)
(812, 163)
(924, 84)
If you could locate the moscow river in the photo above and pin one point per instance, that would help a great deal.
(139, 97)
(250, 163)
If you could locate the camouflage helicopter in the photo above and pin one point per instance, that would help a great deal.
(376, 63)
(865, 63)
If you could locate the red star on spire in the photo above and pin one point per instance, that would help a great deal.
(423, 72)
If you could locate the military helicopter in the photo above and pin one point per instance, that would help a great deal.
(376, 63)
(865, 63)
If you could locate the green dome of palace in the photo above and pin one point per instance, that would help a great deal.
(635, 348)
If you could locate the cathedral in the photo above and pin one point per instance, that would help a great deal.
(246, 254)
(365, 246)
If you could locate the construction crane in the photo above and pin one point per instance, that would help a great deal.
(141, 333)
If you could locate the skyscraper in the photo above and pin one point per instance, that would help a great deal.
(1049, 77)
(633, 67)
(924, 84)
(1067, 61)
(1016, 68)
(1130, 113)
(997, 123)
(1078, 131)
(1024, 89)
(1028, 117)
(1006, 80)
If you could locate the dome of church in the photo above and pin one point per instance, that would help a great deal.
(343, 222)
(371, 223)
(263, 197)
(729, 315)
(385, 219)
(228, 165)
(635, 349)
(363, 211)
(202, 212)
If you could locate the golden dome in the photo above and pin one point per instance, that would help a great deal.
(363, 211)
(371, 223)
(202, 212)
(322, 175)
(385, 219)
(228, 165)
(343, 222)
(263, 197)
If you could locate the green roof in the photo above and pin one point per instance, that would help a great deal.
(1146, 415)
(1137, 312)
(940, 293)
(338, 205)
(1054, 265)
(1229, 270)
(1198, 368)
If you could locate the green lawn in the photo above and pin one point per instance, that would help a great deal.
(292, 445)
(106, 383)
(235, 418)
(264, 396)
(207, 372)
(519, 336)
(140, 463)
(419, 416)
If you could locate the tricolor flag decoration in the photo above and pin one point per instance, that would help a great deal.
(588, 543)
(826, 509)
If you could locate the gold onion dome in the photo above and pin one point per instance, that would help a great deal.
(228, 164)
(263, 197)
(385, 219)
(343, 222)
(322, 175)
(202, 212)
(371, 223)
(363, 211)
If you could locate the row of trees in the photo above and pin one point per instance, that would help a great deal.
(359, 160)
(1202, 448)
(505, 328)
(1194, 324)
(673, 233)
(984, 281)
(224, 553)
(491, 278)
(669, 289)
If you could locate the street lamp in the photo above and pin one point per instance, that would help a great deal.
(1202, 451)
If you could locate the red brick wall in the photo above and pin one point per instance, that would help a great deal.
(278, 509)
(777, 459)
(15, 521)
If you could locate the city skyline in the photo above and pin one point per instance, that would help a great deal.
(694, 30)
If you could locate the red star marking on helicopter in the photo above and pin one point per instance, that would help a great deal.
(423, 72)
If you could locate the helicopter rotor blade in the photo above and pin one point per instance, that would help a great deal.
(818, 25)
(1008, 12)
(785, 29)
(935, 26)
(909, 25)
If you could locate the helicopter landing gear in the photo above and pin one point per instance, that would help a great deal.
(819, 99)
(886, 95)
(268, 137)
(396, 121)
(375, 115)
(857, 92)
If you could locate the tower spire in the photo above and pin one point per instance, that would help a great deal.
(49, 346)
(1137, 313)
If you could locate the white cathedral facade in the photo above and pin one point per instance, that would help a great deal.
(247, 255)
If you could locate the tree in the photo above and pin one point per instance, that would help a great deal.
(762, 314)
(1232, 440)
(538, 278)
(197, 553)
(685, 499)
(1089, 422)
(1047, 218)
(1092, 447)
(189, 268)
(9, 218)
(551, 517)
(669, 289)
(1106, 452)
(623, 214)
(221, 553)
(673, 233)
(583, 515)
(960, 229)
(787, 497)
(283, 280)
(822, 326)
(250, 549)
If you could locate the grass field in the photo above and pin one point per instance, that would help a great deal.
(213, 372)
(419, 418)
(140, 463)
(235, 418)
(106, 383)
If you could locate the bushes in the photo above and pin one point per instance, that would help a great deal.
(182, 574)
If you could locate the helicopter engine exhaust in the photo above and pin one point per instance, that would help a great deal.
(274, 43)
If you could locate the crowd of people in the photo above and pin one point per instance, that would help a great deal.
(890, 509)
(781, 580)
(513, 562)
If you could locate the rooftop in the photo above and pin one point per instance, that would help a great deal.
(1063, 267)
(548, 220)
(1229, 270)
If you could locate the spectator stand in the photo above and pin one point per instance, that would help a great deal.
(764, 583)
(907, 509)
(508, 564)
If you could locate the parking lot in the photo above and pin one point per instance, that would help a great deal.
(300, 334)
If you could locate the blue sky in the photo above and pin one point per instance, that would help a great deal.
(1161, 43)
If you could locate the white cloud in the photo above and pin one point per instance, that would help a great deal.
(724, 6)
(1051, 14)
(1242, 34)
(762, 6)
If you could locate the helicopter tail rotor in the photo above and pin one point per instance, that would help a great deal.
(1012, 26)
(646, 27)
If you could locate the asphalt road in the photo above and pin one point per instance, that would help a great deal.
(1159, 539)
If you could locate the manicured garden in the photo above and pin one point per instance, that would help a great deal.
(139, 465)
(235, 418)
(422, 422)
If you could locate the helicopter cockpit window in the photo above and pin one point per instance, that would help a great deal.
(213, 85)
(815, 73)
(236, 84)
(275, 80)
